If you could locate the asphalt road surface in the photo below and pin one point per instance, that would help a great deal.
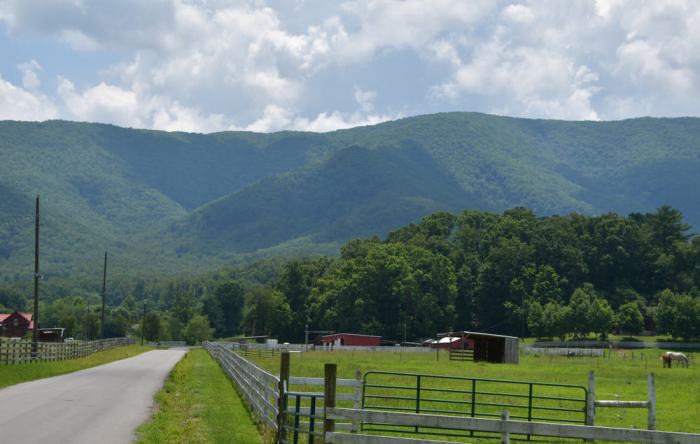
(100, 405)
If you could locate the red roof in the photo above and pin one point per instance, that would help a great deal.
(26, 316)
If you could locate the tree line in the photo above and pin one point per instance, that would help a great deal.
(509, 273)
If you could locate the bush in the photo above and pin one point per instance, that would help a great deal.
(198, 330)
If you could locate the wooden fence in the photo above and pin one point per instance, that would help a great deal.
(15, 352)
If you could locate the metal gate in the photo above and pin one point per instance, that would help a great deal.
(305, 418)
(471, 397)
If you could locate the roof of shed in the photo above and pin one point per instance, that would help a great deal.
(475, 334)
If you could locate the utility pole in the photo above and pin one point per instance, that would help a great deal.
(87, 322)
(104, 297)
(143, 319)
(403, 344)
(522, 317)
(37, 276)
(306, 338)
(404, 333)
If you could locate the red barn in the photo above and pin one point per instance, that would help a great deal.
(351, 339)
(17, 324)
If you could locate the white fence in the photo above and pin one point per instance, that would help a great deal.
(616, 344)
(259, 388)
(564, 351)
(266, 393)
(504, 426)
(262, 391)
(340, 348)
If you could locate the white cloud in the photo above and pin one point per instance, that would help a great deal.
(276, 118)
(208, 65)
(408, 24)
(365, 99)
(30, 76)
(643, 62)
(525, 81)
(518, 14)
(19, 104)
(109, 103)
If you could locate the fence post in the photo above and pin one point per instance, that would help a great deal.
(283, 386)
(329, 382)
(590, 400)
(505, 435)
(651, 421)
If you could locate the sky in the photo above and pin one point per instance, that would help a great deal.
(321, 65)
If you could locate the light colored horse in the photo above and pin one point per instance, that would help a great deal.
(669, 357)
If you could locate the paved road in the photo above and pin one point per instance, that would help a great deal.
(102, 404)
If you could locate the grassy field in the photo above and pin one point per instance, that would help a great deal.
(199, 405)
(15, 373)
(621, 375)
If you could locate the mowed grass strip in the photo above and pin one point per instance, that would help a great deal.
(11, 374)
(198, 404)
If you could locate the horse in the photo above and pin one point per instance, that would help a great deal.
(669, 357)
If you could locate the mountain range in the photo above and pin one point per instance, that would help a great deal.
(171, 202)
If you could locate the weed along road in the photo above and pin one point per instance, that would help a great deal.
(102, 404)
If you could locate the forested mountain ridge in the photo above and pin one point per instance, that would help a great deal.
(165, 202)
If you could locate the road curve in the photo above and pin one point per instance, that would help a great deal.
(102, 404)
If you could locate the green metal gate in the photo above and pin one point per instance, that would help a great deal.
(472, 397)
(306, 418)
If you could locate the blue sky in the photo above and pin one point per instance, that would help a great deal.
(320, 65)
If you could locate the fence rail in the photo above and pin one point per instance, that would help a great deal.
(301, 398)
(259, 388)
(471, 397)
(300, 415)
(616, 344)
(327, 348)
(503, 426)
(461, 354)
(15, 352)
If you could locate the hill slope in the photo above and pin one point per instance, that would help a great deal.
(172, 201)
(356, 192)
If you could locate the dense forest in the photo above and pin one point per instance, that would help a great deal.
(171, 203)
(515, 273)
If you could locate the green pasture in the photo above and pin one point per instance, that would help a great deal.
(620, 375)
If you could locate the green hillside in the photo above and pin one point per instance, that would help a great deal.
(172, 202)
(357, 191)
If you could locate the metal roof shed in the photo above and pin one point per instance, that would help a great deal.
(490, 347)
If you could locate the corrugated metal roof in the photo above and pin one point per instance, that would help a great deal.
(476, 334)
(351, 334)
(448, 339)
